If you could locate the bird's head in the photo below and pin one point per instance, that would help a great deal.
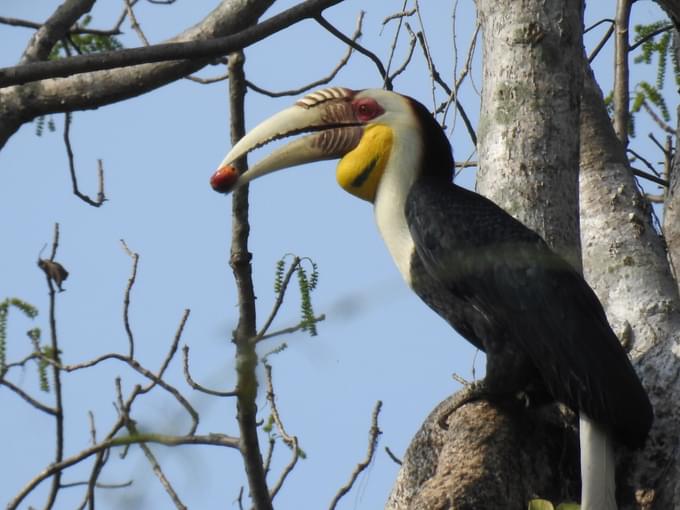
(364, 129)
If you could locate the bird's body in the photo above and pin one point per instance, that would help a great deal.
(489, 276)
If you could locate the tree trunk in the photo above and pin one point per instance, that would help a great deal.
(625, 262)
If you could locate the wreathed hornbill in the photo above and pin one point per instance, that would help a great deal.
(492, 278)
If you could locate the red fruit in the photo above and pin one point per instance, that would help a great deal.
(224, 179)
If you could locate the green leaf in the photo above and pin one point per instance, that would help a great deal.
(540, 504)
(568, 506)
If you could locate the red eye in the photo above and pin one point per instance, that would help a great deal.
(367, 109)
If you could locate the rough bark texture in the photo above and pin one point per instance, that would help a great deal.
(19, 104)
(625, 262)
(671, 215)
(528, 152)
(485, 457)
(528, 128)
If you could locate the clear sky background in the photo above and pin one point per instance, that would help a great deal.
(379, 341)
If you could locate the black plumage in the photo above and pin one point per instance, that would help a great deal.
(502, 288)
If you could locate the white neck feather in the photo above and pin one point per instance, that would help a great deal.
(390, 201)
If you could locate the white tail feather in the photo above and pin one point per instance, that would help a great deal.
(598, 466)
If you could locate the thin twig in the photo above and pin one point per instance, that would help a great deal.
(292, 329)
(649, 36)
(72, 169)
(321, 81)
(660, 122)
(438, 79)
(650, 177)
(602, 42)
(162, 439)
(21, 393)
(372, 56)
(392, 456)
(373, 435)
(393, 48)
(126, 300)
(153, 378)
(279, 299)
(398, 15)
(134, 24)
(14, 22)
(644, 161)
(291, 441)
(174, 344)
(409, 55)
(195, 385)
(208, 81)
(121, 485)
(155, 466)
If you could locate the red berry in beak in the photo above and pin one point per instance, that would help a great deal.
(224, 179)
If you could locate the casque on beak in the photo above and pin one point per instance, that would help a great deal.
(326, 114)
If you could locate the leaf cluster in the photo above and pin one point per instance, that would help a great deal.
(84, 44)
(655, 39)
(33, 334)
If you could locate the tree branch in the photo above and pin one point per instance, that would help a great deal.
(55, 28)
(373, 435)
(246, 357)
(190, 50)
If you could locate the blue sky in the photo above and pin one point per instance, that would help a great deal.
(378, 342)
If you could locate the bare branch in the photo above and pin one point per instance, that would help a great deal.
(126, 299)
(134, 24)
(14, 22)
(373, 435)
(393, 48)
(372, 56)
(292, 329)
(72, 169)
(55, 28)
(153, 378)
(659, 121)
(38, 405)
(208, 81)
(279, 299)
(321, 81)
(175, 343)
(291, 441)
(621, 72)
(398, 15)
(195, 385)
(190, 50)
(409, 55)
(438, 79)
(392, 456)
(155, 466)
(162, 439)
(603, 41)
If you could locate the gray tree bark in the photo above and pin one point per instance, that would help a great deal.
(530, 153)
(625, 262)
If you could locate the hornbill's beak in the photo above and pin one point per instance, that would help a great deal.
(327, 114)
